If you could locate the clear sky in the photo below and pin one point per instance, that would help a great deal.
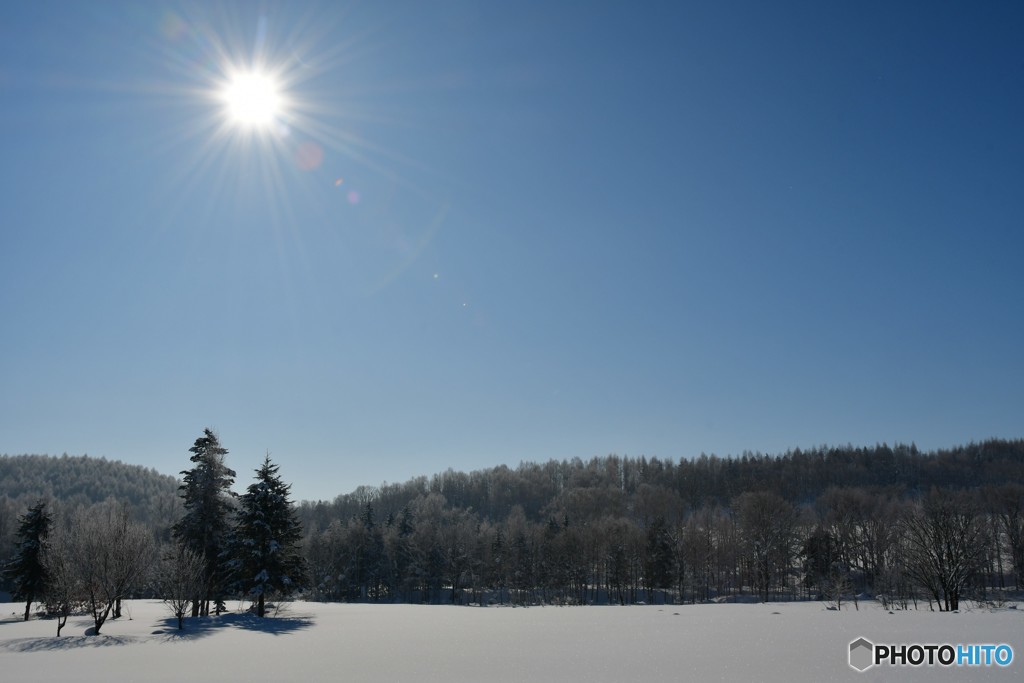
(478, 233)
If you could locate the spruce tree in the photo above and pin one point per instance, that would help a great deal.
(206, 489)
(266, 557)
(26, 569)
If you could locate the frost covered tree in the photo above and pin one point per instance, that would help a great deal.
(180, 578)
(99, 560)
(266, 557)
(26, 569)
(115, 553)
(208, 502)
(64, 593)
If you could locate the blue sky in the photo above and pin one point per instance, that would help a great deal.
(486, 232)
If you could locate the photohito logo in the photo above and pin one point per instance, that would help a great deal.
(864, 654)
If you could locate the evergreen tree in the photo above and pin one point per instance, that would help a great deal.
(26, 569)
(660, 557)
(206, 490)
(266, 557)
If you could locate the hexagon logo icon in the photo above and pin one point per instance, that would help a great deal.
(862, 654)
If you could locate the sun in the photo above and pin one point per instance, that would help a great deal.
(253, 99)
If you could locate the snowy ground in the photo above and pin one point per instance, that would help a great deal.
(427, 644)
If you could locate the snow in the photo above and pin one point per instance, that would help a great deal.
(428, 644)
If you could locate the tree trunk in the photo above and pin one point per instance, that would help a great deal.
(259, 606)
(99, 618)
(28, 606)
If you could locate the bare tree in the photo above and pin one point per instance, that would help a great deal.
(64, 589)
(946, 544)
(111, 553)
(767, 525)
(837, 585)
(1007, 503)
(181, 576)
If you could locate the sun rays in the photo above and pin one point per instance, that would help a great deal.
(271, 113)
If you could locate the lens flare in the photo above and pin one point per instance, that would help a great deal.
(309, 156)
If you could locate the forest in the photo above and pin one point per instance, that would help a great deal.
(829, 523)
(841, 524)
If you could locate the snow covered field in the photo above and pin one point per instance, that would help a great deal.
(426, 644)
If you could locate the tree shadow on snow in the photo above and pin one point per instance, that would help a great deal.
(19, 618)
(65, 642)
(200, 627)
(78, 633)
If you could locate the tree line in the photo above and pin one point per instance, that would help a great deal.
(896, 524)
(938, 547)
(830, 523)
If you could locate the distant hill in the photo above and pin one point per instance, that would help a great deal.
(69, 481)
(80, 479)
(855, 520)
